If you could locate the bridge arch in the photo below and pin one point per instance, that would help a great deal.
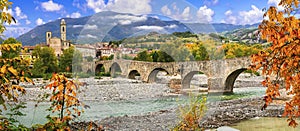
(186, 81)
(99, 69)
(152, 76)
(229, 82)
(133, 73)
(115, 69)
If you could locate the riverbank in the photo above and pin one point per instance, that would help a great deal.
(218, 114)
(148, 108)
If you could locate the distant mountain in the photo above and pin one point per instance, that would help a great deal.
(106, 26)
(216, 27)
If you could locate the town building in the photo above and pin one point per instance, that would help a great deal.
(58, 44)
(86, 50)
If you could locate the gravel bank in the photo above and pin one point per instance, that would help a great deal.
(117, 89)
(218, 114)
(105, 89)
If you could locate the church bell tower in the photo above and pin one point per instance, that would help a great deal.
(63, 30)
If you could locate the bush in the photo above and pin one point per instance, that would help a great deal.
(191, 114)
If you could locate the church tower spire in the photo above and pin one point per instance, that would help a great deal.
(63, 30)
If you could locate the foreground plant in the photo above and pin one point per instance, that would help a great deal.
(12, 72)
(191, 114)
(281, 61)
(64, 101)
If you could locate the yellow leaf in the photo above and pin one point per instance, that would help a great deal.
(13, 71)
(3, 69)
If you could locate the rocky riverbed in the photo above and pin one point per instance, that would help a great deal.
(119, 89)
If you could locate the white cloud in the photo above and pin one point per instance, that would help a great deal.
(78, 26)
(130, 6)
(128, 19)
(205, 14)
(96, 5)
(39, 21)
(20, 15)
(156, 17)
(275, 3)
(166, 11)
(175, 12)
(215, 2)
(156, 28)
(230, 19)
(51, 6)
(74, 15)
(79, 4)
(15, 31)
(228, 12)
(90, 27)
(252, 16)
(171, 26)
(28, 22)
(186, 13)
(91, 36)
(144, 27)
(125, 22)
(122, 6)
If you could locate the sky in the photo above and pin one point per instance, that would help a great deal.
(30, 14)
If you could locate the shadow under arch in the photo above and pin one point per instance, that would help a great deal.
(186, 82)
(152, 76)
(99, 69)
(115, 70)
(133, 73)
(231, 79)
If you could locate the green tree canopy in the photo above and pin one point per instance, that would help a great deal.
(71, 58)
(46, 61)
(143, 56)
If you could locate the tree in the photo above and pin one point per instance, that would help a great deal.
(143, 56)
(64, 101)
(89, 58)
(69, 59)
(164, 57)
(199, 51)
(12, 52)
(281, 61)
(6, 17)
(46, 61)
(13, 70)
(154, 56)
(177, 51)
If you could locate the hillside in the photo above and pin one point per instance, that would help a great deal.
(244, 35)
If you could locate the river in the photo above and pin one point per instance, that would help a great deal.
(101, 109)
(119, 97)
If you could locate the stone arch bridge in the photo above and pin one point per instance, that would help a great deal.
(221, 73)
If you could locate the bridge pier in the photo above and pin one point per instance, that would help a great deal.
(217, 84)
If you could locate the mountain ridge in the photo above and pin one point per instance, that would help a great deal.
(107, 26)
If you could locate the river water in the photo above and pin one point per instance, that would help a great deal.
(101, 109)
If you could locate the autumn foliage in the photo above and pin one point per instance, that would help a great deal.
(64, 97)
(280, 62)
(12, 72)
(191, 114)
(64, 101)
